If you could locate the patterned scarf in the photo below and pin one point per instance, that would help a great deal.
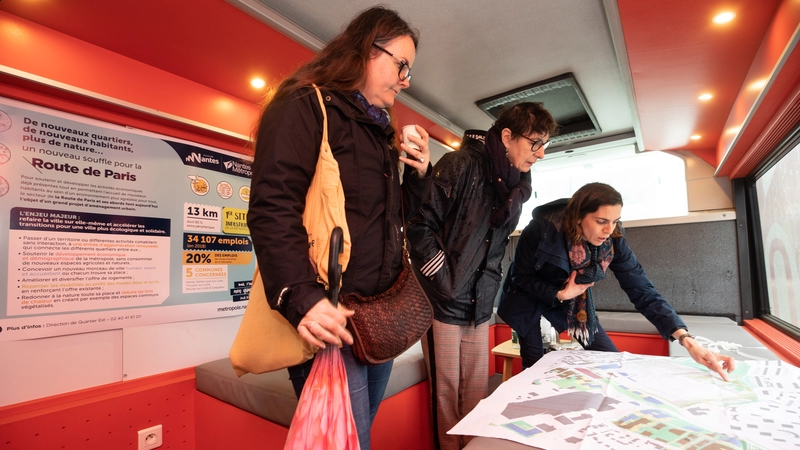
(377, 115)
(591, 264)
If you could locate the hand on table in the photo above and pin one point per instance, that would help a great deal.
(714, 361)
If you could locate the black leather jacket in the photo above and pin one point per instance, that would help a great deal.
(451, 232)
(285, 160)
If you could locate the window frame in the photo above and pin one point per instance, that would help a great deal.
(753, 274)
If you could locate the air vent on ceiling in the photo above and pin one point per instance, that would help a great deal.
(561, 96)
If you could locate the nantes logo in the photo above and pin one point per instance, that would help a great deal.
(201, 159)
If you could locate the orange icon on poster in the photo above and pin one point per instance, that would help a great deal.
(199, 185)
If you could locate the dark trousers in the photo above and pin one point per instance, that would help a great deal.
(531, 348)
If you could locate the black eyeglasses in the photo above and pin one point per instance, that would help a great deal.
(537, 144)
(405, 71)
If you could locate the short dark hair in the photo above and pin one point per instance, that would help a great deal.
(586, 200)
(526, 118)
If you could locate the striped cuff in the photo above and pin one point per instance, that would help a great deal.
(431, 267)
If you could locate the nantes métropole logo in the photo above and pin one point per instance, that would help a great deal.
(238, 168)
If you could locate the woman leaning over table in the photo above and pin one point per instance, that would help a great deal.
(360, 72)
(564, 250)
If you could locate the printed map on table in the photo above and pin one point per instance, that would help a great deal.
(596, 400)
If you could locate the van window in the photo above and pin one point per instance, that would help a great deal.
(652, 184)
(778, 193)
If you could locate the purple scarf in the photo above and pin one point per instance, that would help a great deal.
(377, 115)
(591, 264)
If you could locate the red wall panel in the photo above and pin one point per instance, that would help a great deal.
(106, 417)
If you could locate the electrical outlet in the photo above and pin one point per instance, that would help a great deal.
(150, 438)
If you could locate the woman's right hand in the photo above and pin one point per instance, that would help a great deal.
(326, 323)
(571, 289)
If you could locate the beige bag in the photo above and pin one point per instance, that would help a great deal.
(325, 206)
(266, 341)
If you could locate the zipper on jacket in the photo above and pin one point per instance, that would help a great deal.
(280, 296)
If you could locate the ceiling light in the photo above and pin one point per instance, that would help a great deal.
(695, 137)
(724, 17)
(758, 84)
(706, 97)
(455, 144)
(257, 83)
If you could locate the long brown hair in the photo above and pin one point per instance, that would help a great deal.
(342, 64)
(586, 200)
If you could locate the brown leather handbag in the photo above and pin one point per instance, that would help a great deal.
(386, 325)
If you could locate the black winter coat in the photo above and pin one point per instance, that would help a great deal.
(287, 150)
(454, 219)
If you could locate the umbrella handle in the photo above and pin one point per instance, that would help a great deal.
(334, 268)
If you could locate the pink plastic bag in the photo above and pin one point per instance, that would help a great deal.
(323, 419)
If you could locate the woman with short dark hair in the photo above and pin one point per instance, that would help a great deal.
(457, 240)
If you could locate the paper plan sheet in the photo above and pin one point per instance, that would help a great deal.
(597, 400)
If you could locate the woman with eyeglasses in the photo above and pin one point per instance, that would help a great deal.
(360, 72)
(567, 247)
(457, 239)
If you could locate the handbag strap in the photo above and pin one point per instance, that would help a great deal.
(406, 255)
(324, 115)
(334, 271)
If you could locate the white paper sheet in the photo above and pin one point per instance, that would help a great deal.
(596, 400)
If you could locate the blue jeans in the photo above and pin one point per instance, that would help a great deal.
(367, 385)
(531, 348)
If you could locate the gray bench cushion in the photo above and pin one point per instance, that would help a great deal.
(722, 331)
(633, 322)
(271, 396)
(625, 322)
(715, 329)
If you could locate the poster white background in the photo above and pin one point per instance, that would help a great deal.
(106, 227)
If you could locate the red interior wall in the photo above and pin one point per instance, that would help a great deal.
(641, 344)
(403, 422)
(109, 417)
(105, 417)
(25, 91)
(502, 333)
(745, 153)
(59, 58)
(65, 68)
(222, 426)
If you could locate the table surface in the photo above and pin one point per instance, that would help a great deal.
(506, 349)
(555, 404)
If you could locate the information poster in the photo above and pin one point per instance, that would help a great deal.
(105, 227)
